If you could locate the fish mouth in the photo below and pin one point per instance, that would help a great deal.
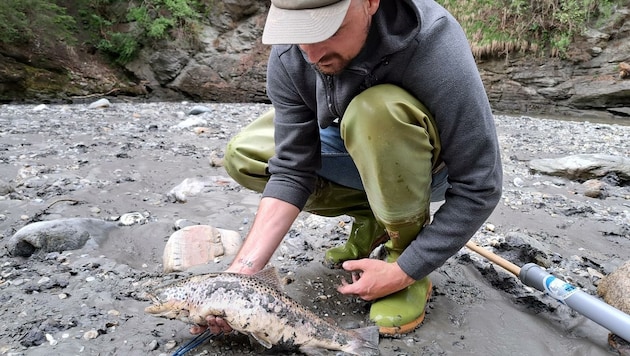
(170, 310)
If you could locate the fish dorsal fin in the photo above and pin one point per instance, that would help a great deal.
(269, 275)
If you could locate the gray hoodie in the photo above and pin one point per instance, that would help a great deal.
(418, 46)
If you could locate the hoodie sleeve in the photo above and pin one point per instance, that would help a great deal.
(296, 135)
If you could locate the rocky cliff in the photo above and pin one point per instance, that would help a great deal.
(588, 84)
(229, 63)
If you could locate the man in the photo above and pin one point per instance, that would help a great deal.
(375, 104)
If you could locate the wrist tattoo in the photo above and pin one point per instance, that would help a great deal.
(245, 262)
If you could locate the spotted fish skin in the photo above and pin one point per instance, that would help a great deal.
(254, 305)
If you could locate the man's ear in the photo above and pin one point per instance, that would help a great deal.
(372, 6)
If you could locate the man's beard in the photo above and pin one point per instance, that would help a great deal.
(339, 64)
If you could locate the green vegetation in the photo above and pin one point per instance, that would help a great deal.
(117, 27)
(40, 22)
(120, 28)
(544, 27)
(149, 22)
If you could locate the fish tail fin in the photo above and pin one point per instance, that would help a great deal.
(366, 344)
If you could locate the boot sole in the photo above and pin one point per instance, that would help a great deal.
(395, 331)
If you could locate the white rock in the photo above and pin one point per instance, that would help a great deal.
(99, 104)
(89, 335)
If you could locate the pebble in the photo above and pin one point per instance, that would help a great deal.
(99, 104)
(196, 110)
(113, 312)
(171, 344)
(17, 282)
(594, 188)
(91, 334)
(129, 219)
(192, 122)
(51, 340)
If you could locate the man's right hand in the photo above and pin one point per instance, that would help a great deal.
(216, 325)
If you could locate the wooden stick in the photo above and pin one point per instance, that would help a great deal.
(511, 267)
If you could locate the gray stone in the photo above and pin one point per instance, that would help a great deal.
(168, 63)
(624, 111)
(58, 235)
(99, 104)
(583, 166)
(5, 187)
(594, 188)
(606, 94)
(199, 109)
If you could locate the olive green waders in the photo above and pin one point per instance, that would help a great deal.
(394, 143)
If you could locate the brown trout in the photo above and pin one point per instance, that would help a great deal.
(255, 305)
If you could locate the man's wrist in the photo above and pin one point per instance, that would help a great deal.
(243, 266)
(404, 278)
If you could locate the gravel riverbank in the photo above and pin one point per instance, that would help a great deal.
(63, 161)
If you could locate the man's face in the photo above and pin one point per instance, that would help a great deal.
(333, 55)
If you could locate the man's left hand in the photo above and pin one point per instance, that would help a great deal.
(373, 279)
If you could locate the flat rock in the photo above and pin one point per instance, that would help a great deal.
(583, 166)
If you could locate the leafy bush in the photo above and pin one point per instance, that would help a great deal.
(122, 46)
(117, 27)
(34, 21)
(149, 22)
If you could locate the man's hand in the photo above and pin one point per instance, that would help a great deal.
(215, 324)
(373, 279)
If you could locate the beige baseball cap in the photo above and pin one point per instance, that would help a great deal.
(303, 21)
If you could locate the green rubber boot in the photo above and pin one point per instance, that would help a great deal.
(365, 235)
(331, 199)
(403, 311)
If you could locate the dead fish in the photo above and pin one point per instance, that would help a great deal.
(255, 305)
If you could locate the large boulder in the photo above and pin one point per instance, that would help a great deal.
(584, 166)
